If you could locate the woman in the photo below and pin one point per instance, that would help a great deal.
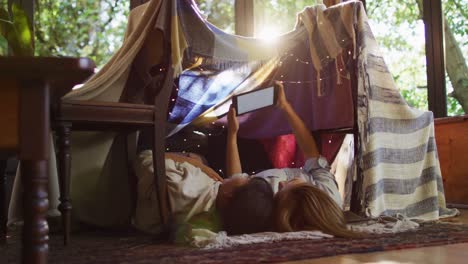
(305, 199)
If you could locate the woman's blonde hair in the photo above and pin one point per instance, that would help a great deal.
(305, 207)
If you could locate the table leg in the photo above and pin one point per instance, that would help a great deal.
(3, 204)
(34, 132)
(64, 165)
(35, 230)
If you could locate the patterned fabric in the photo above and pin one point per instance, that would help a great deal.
(283, 152)
(136, 248)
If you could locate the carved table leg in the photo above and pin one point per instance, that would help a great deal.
(34, 143)
(35, 230)
(64, 166)
(3, 199)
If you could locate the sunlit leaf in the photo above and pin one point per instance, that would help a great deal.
(4, 21)
(80, 28)
(3, 46)
(23, 32)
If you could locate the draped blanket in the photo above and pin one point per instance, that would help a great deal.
(316, 61)
(398, 153)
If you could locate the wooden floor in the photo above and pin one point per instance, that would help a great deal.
(455, 253)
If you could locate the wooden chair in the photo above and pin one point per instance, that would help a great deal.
(107, 116)
(29, 85)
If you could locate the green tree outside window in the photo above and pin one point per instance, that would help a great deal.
(80, 28)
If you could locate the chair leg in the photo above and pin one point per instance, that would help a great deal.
(3, 199)
(64, 167)
(159, 138)
(132, 179)
(355, 205)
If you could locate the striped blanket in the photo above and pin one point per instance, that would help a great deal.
(398, 155)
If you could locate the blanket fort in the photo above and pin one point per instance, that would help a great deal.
(397, 150)
(398, 155)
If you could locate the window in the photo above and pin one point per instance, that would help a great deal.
(89, 28)
(400, 33)
(277, 16)
(456, 52)
(219, 12)
(399, 29)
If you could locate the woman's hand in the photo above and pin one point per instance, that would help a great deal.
(304, 139)
(281, 101)
(233, 164)
(233, 123)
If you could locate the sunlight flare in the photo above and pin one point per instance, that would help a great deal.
(268, 34)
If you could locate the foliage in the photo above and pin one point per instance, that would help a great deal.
(416, 98)
(80, 28)
(15, 34)
(453, 107)
(279, 14)
(95, 29)
(456, 13)
(219, 13)
(400, 32)
(3, 46)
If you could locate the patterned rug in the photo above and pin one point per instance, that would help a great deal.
(113, 247)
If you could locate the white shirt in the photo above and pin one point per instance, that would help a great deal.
(190, 191)
(322, 178)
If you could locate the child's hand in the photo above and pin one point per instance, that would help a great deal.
(233, 123)
(281, 101)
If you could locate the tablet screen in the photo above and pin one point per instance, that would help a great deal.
(255, 100)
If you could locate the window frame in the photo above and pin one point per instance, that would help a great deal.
(435, 51)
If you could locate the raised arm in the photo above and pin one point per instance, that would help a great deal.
(304, 138)
(233, 164)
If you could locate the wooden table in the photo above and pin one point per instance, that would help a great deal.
(28, 85)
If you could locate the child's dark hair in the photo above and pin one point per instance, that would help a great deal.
(250, 209)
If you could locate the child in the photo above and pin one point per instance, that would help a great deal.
(305, 199)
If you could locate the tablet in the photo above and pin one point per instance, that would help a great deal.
(254, 100)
